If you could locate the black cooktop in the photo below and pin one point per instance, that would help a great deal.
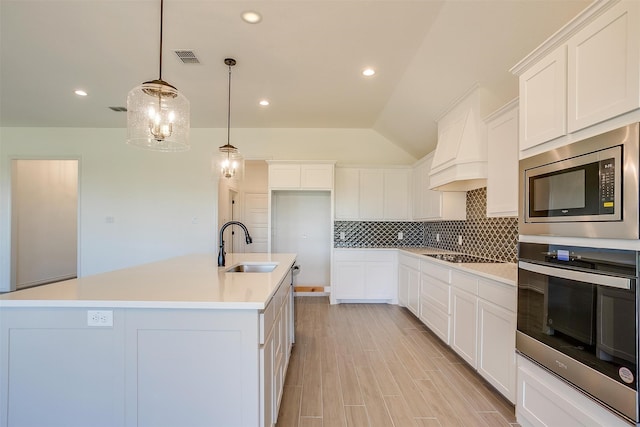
(461, 258)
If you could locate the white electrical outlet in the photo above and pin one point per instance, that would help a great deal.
(99, 318)
(400, 235)
(437, 237)
(460, 240)
(342, 235)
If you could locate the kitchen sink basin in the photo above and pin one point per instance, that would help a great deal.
(252, 268)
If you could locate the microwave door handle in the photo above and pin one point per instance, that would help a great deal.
(581, 276)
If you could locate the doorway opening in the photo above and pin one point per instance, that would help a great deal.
(44, 221)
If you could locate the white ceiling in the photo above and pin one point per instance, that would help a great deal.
(305, 57)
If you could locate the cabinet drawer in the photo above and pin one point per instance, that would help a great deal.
(435, 319)
(372, 255)
(500, 294)
(434, 270)
(464, 281)
(436, 292)
(409, 261)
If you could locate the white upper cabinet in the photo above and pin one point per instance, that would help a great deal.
(372, 194)
(347, 193)
(431, 205)
(502, 145)
(583, 81)
(604, 67)
(300, 175)
(543, 100)
(397, 187)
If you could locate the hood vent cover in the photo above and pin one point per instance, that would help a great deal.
(187, 56)
(460, 160)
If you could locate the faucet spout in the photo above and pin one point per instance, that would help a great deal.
(221, 252)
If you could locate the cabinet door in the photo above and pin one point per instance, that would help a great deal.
(267, 394)
(403, 285)
(380, 281)
(543, 96)
(502, 177)
(347, 193)
(463, 324)
(316, 176)
(371, 194)
(413, 302)
(284, 176)
(350, 280)
(396, 194)
(604, 67)
(431, 199)
(496, 347)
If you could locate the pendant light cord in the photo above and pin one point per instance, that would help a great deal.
(161, 19)
(229, 110)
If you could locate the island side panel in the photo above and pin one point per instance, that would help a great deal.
(192, 367)
(56, 370)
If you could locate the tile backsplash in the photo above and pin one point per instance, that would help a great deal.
(495, 238)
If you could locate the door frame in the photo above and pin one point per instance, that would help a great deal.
(7, 245)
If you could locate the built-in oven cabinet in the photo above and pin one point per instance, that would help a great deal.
(544, 400)
(588, 73)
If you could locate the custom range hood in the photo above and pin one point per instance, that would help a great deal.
(460, 160)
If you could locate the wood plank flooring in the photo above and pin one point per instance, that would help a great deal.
(375, 365)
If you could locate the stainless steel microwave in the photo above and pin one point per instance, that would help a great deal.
(585, 189)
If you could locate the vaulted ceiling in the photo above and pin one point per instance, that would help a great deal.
(305, 57)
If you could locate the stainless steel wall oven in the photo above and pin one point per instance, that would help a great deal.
(578, 318)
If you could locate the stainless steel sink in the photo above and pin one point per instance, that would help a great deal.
(252, 268)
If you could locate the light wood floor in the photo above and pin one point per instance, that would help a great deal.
(377, 365)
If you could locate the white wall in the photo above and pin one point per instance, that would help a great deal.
(162, 204)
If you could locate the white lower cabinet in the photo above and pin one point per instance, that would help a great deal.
(463, 324)
(474, 315)
(409, 282)
(275, 352)
(496, 360)
(364, 275)
(435, 298)
(544, 400)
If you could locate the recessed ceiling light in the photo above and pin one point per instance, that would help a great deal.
(251, 17)
(80, 92)
(368, 72)
(264, 102)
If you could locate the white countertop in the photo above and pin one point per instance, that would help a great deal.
(191, 281)
(505, 272)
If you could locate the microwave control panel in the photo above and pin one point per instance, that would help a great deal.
(607, 185)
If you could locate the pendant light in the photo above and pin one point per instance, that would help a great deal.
(230, 158)
(157, 114)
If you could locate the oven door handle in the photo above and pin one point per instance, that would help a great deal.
(581, 276)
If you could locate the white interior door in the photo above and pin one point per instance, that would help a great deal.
(301, 224)
(44, 221)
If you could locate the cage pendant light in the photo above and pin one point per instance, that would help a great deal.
(230, 158)
(157, 114)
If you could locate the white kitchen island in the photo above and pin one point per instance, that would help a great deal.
(179, 342)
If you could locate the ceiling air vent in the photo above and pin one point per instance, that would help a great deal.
(187, 56)
(118, 109)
